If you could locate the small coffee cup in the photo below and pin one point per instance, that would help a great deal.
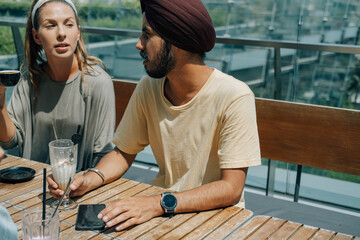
(9, 77)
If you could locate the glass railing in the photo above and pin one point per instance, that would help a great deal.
(316, 73)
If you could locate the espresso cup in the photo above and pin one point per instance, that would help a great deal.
(9, 77)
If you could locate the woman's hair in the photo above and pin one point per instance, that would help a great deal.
(34, 53)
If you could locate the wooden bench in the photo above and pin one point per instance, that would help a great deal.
(309, 135)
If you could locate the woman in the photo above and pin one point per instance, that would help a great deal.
(65, 94)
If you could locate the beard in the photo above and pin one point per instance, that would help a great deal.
(164, 62)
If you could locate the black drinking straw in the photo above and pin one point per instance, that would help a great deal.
(44, 197)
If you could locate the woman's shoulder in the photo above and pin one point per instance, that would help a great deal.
(96, 74)
(97, 83)
(24, 84)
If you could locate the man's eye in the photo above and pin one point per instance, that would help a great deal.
(145, 35)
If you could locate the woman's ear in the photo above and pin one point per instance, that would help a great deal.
(36, 37)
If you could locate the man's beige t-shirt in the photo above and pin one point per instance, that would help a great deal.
(216, 130)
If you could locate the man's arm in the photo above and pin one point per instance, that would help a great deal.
(136, 210)
(224, 192)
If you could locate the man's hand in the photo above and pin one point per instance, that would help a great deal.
(113, 165)
(79, 186)
(130, 211)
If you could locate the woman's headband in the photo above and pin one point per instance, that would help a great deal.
(41, 2)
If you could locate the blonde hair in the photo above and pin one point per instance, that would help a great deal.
(34, 52)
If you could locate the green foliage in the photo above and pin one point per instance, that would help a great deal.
(343, 176)
(353, 85)
(14, 9)
(218, 16)
(6, 44)
(100, 11)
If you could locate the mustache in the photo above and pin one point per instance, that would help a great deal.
(144, 55)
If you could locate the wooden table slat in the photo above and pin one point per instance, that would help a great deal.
(233, 223)
(101, 237)
(190, 225)
(168, 225)
(249, 227)
(267, 229)
(11, 161)
(213, 223)
(285, 231)
(340, 236)
(305, 232)
(323, 234)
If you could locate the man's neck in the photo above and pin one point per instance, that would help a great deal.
(185, 81)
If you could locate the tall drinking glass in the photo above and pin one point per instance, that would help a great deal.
(63, 158)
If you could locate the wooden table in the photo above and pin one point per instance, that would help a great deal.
(265, 227)
(229, 223)
(215, 224)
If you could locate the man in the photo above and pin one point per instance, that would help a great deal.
(200, 122)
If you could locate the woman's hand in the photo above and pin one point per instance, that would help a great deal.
(2, 96)
(2, 153)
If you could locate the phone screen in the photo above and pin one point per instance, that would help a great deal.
(87, 217)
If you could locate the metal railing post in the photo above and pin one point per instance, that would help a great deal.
(297, 183)
(277, 74)
(19, 45)
(270, 181)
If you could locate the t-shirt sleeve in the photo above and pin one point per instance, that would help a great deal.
(239, 140)
(131, 136)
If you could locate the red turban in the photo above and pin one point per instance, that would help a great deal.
(183, 23)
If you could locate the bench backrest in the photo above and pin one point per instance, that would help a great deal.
(314, 136)
(123, 91)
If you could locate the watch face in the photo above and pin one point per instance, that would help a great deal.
(169, 201)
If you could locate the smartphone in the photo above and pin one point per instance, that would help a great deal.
(87, 217)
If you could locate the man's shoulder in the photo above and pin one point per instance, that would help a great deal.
(148, 83)
(227, 84)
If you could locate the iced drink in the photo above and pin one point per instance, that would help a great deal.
(63, 159)
(62, 171)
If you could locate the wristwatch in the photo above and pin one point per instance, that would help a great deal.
(168, 202)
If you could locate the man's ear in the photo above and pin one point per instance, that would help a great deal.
(36, 37)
